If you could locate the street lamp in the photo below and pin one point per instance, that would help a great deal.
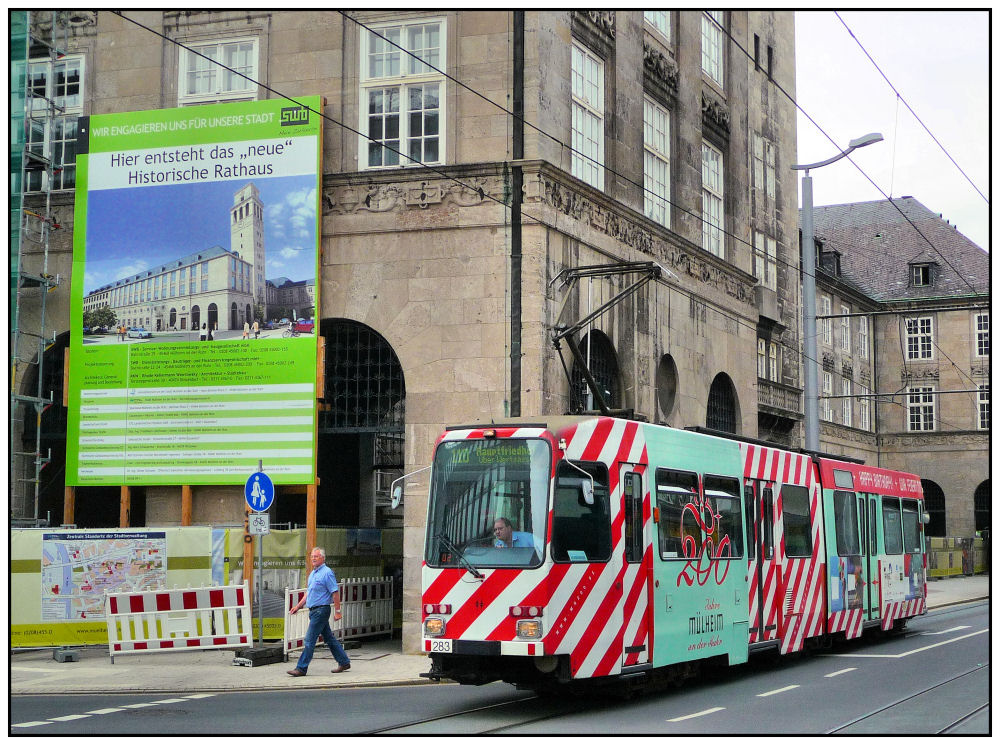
(809, 288)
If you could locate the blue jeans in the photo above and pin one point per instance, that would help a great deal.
(319, 623)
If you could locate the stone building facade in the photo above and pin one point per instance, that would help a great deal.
(926, 288)
(652, 162)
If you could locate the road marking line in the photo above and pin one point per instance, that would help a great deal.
(30, 724)
(777, 690)
(69, 717)
(171, 701)
(105, 711)
(19, 669)
(699, 714)
(914, 651)
(840, 672)
(200, 695)
(946, 631)
(137, 706)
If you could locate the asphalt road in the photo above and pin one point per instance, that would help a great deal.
(935, 678)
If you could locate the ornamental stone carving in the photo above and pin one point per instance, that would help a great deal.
(604, 20)
(919, 374)
(714, 113)
(396, 197)
(661, 71)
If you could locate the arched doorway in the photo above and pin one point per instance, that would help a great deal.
(249, 315)
(234, 319)
(981, 505)
(195, 318)
(934, 503)
(723, 406)
(173, 318)
(599, 352)
(213, 316)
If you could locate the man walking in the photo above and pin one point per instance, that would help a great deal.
(320, 588)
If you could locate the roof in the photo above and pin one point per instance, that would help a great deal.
(878, 243)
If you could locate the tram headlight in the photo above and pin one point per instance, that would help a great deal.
(529, 628)
(433, 626)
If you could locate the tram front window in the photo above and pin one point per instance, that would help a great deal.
(488, 503)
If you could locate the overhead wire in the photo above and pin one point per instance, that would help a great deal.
(899, 97)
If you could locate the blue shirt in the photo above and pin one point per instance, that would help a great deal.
(321, 585)
(518, 539)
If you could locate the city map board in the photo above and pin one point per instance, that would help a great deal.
(146, 412)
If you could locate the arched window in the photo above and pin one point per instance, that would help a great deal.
(934, 504)
(723, 409)
(364, 380)
(603, 364)
(173, 318)
(981, 505)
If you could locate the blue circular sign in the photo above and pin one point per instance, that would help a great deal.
(259, 492)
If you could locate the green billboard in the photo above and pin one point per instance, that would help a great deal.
(195, 256)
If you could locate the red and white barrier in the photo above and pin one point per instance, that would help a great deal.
(178, 620)
(366, 605)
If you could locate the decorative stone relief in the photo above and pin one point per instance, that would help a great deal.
(596, 29)
(660, 70)
(389, 197)
(828, 361)
(927, 439)
(714, 113)
(920, 373)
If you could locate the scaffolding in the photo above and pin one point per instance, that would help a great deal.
(33, 166)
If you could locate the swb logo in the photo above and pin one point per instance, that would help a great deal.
(294, 115)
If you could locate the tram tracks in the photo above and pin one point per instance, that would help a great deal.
(876, 718)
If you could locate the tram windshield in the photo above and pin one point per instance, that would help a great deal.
(488, 503)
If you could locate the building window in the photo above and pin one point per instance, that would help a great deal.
(848, 408)
(920, 408)
(656, 164)
(772, 362)
(864, 409)
(920, 275)
(204, 77)
(984, 406)
(763, 173)
(845, 329)
(826, 309)
(660, 21)
(826, 412)
(53, 138)
(711, 45)
(712, 212)
(402, 96)
(761, 358)
(919, 338)
(588, 117)
(983, 335)
(863, 337)
(765, 260)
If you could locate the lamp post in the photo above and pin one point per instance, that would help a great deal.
(809, 288)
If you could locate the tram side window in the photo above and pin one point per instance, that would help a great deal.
(845, 516)
(581, 532)
(633, 517)
(911, 527)
(798, 536)
(675, 490)
(891, 526)
(724, 495)
(750, 504)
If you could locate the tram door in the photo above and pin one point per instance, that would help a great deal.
(762, 560)
(868, 512)
(637, 638)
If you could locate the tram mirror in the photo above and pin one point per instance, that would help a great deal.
(583, 486)
(397, 495)
(925, 518)
(588, 492)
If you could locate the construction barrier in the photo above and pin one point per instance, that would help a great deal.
(366, 606)
(178, 620)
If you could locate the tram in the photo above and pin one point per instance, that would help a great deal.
(595, 548)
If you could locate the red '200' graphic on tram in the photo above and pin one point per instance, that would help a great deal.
(704, 560)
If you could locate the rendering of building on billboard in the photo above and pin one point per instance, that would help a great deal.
(159, 195)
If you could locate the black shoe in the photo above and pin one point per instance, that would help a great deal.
(341, 669)
(296, 672)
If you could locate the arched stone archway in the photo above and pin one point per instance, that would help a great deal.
(981, 505)
(723, 408)
(934, 503)
(603, 364)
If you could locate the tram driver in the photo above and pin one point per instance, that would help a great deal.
(507, 537)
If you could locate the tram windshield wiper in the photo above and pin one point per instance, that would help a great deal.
(450, 546)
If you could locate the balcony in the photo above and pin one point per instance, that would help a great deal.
(779, 400)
